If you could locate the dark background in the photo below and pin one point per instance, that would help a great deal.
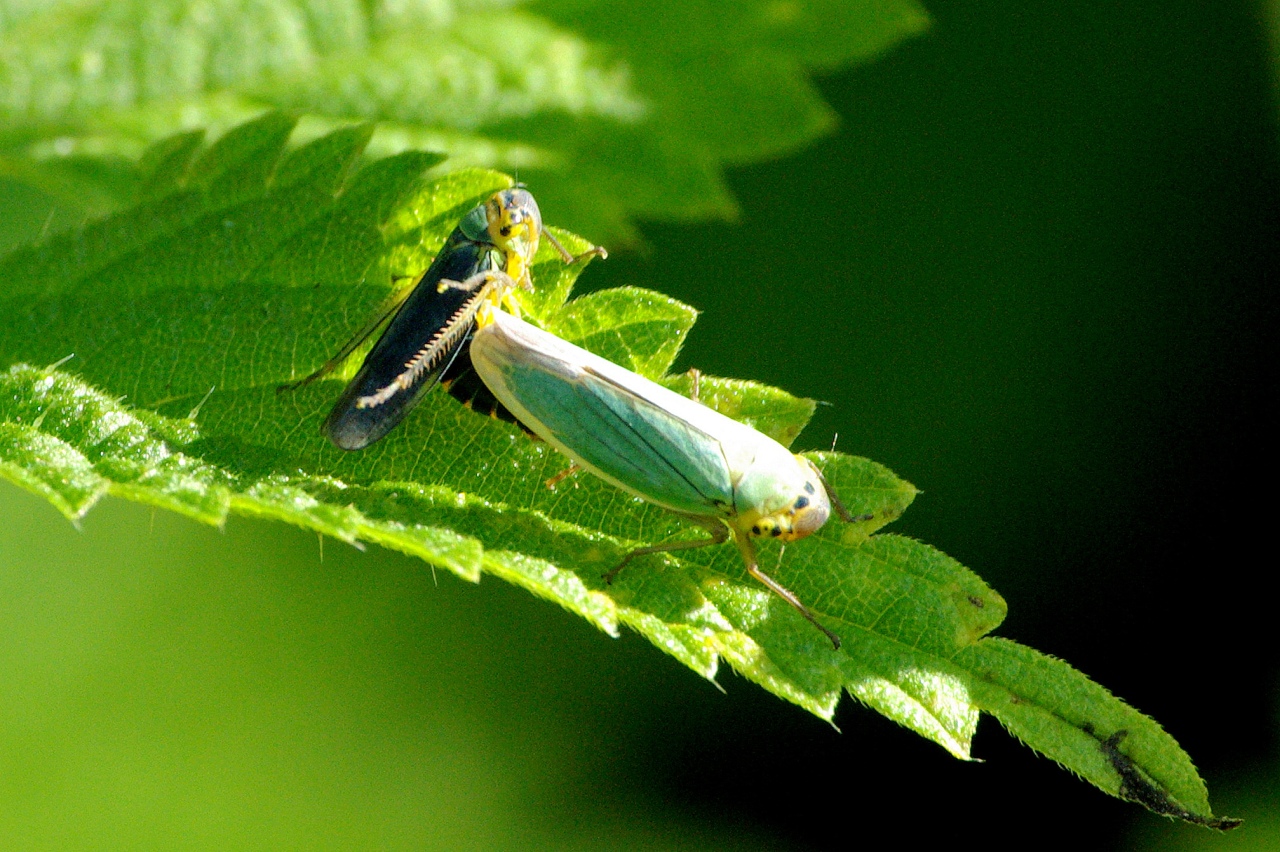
(1032, 273)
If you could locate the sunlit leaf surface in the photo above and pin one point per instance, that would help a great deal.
(145, 352)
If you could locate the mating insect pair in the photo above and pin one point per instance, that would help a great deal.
(633, 433)
(427, 340)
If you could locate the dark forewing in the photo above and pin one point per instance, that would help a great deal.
(426, 312)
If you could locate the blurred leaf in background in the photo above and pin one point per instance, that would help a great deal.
(240, 265)
(170, 686)
(1046, 226)
(613, 109)
(1271, 17)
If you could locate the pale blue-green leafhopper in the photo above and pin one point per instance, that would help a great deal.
(654, 443)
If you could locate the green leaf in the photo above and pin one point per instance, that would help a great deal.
(613, 109)
(171, 325)
(1060, 713)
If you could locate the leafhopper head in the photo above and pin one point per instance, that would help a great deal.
(795, 487)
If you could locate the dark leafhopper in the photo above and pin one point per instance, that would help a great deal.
(428, 337)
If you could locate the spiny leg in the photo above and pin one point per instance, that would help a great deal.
(488, 286)
(477, 281)
(753, 568)
(719, 535)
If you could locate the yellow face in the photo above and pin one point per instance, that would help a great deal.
(807, 511)
(515, 224)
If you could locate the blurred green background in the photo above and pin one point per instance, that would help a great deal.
(1032, 272)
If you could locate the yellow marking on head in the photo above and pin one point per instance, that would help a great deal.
(804, 515)
(511, 222)
(778, 525)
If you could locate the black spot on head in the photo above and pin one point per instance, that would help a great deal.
(505, 230)
(808, 487)
(776, 531)
(755, 529)
(801, 502)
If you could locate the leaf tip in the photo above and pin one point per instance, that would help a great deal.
(1138, 787)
